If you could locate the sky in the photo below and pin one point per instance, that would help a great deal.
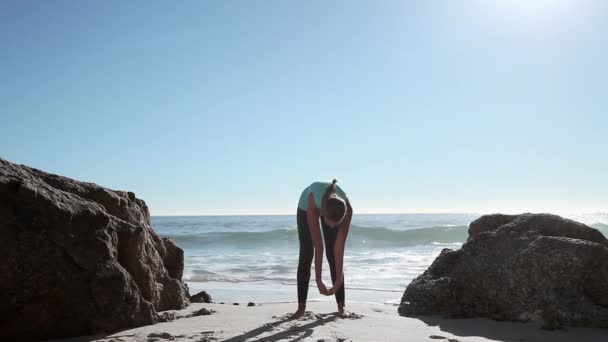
(233, 107)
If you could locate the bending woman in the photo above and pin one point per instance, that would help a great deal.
(326, 203)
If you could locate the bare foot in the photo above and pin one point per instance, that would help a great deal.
(298, 313)
(343, 313)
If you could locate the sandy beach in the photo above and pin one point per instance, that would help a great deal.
(371, 322)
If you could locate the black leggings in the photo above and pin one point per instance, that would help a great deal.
(307, 253)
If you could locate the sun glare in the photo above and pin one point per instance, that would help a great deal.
(524, 17)
(536, 7)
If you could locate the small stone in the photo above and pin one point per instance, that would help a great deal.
(235, 303)
(251, 304)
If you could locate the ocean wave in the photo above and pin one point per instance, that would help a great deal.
(200, 275)
(590, 219)
(602, 227)
(359, 237)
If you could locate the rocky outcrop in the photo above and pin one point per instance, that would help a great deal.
(78, 258)
(531, 267)
(201, 297)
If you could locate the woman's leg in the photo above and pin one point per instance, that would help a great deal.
(329, 235)
(305, 260)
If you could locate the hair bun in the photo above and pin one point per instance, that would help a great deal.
(333, 182)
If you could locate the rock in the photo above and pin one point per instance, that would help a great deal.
(201, 297)
(251, 304)
(161, 335)
(202, 312)
(235, 303)
(167, 316)
(79, 259)
(353, 315)
(531, 267)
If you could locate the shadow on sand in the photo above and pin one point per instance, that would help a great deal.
(86, 338)
(298, 332)
(511, 331)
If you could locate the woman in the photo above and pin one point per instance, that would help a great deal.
(327, 203)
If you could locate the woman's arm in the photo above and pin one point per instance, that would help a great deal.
(339, 248)
(315, 231)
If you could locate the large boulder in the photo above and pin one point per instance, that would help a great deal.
(530, 267)
(78, 258)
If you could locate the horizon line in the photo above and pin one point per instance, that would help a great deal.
(489, 212)
(290, 214)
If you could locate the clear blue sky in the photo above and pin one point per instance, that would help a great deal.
(222, 107)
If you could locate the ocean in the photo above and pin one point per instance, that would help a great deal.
(255, 258)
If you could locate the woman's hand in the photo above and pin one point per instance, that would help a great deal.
(322, 289)
(335, 288)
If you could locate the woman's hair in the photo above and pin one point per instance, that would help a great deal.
(334, 207)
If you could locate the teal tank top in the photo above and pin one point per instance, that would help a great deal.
(318, 190)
